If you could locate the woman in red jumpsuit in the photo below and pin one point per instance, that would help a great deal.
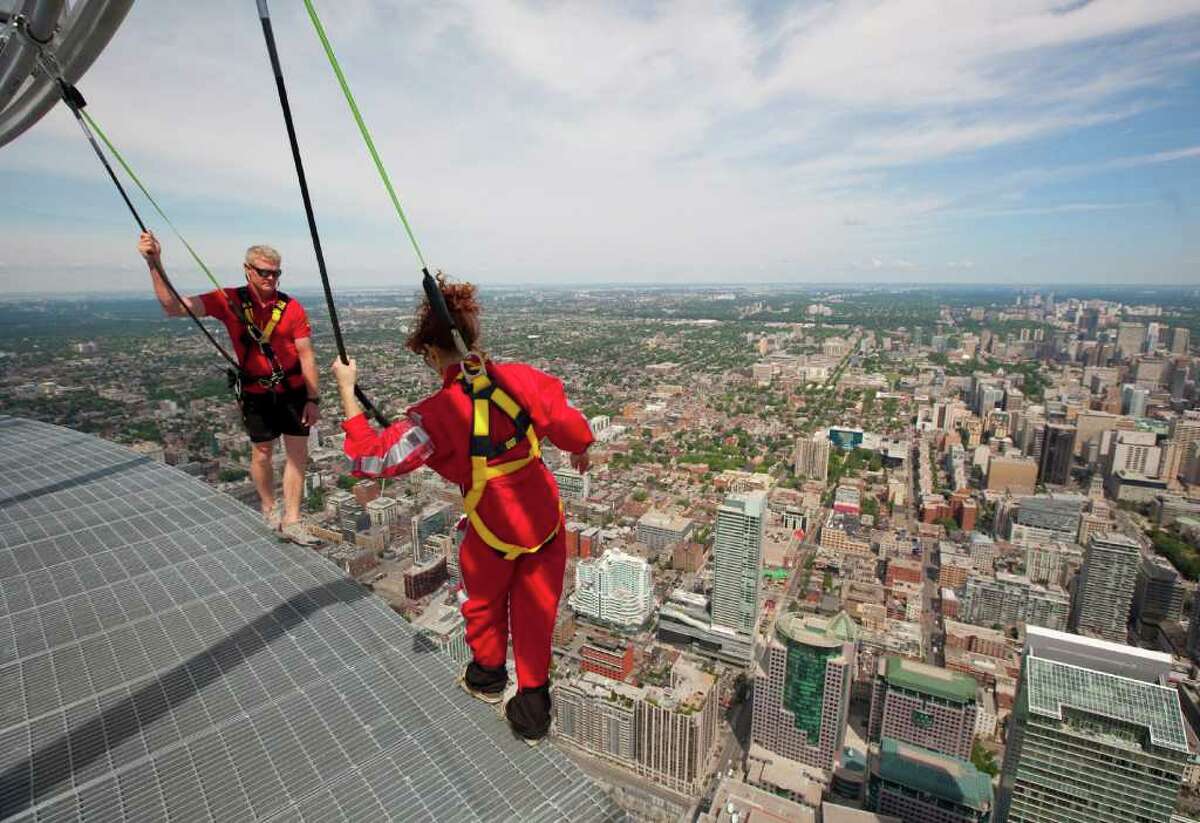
(507, 591)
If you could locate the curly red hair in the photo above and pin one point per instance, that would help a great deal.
(462, 299)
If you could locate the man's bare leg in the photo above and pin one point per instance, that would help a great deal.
(296, 449)
(263, 475)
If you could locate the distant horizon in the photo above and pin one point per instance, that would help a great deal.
(615, 285)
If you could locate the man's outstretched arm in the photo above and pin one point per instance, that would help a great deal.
(149, 249)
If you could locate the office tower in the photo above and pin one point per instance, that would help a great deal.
(1180, 340)
(1157, 597)
(923, 705)
(1133, 400)
(812, 457)
(1058, 450)
(1044, 519)
(658, 529)
(1134, 451)
(1094, 737)
(431, 520)
(1104, 590)
(802, 688)
(617, 588)
(988, 396)
(737, 561)
(573, 485)
(920, 786)
(1130, 338)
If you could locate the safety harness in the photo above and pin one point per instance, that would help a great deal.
(252, 334)
(484, 393)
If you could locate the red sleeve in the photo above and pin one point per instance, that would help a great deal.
(566, 426)
(216, 304)
(300, 326)
(399, 449)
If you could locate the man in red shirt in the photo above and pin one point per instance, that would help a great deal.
(272, 341)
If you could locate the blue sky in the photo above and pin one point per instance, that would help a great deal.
(1025, 141)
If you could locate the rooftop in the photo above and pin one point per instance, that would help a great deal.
(1053, 686)
(919, 677)
(947, 778)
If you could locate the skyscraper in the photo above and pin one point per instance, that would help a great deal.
(812, 457)
(802, 688)
(1089, 745)
(923, 705)
(1058, 450)
(737, 563)
(1130, 338)
(1133, 400)
(1185, 431)
(1104, 591)
(431, 520)
(1158, 596)
(1181, 338)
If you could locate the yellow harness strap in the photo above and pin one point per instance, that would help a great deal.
(481, 472)
(264, 334)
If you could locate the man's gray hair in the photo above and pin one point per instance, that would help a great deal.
(263, 253)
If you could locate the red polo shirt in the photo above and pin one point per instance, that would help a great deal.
(292, 326)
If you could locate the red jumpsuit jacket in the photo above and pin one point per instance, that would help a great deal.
(522, 507)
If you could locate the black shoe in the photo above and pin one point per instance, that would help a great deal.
(528, 712)
(483, 683)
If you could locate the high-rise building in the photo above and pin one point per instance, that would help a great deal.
(1134, 399)
(1157, 597)
(1104, 590)
(385, 511)
(1130, 339)
(616, 588)
(658, 529)
(1094, 736)
(431, 520)
(1181, 338)
(1185, 433)
(599, 715)
(573, 485)
(666, 734)
(737, 561)
(923, 705)
(1058, 450)
(607, 656)
(1043, 519)
(920, 786)
(1193, 635)
(812, 457)
(1009, 599)
(1134, 451)
(802, 688)
(443, 626)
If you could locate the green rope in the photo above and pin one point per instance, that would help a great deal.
(113, 150)
(362, 127)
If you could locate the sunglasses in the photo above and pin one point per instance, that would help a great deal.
(275, 273)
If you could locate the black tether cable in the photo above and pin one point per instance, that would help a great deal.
(264, 15)
(75, 102)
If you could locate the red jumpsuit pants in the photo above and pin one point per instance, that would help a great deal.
(519, 595)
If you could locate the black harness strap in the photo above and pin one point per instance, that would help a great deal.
(264, 15)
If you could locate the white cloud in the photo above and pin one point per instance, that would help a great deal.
(570, 140)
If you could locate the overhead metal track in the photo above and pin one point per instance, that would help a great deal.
(73, 37)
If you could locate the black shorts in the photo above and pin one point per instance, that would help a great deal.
(266, 415)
